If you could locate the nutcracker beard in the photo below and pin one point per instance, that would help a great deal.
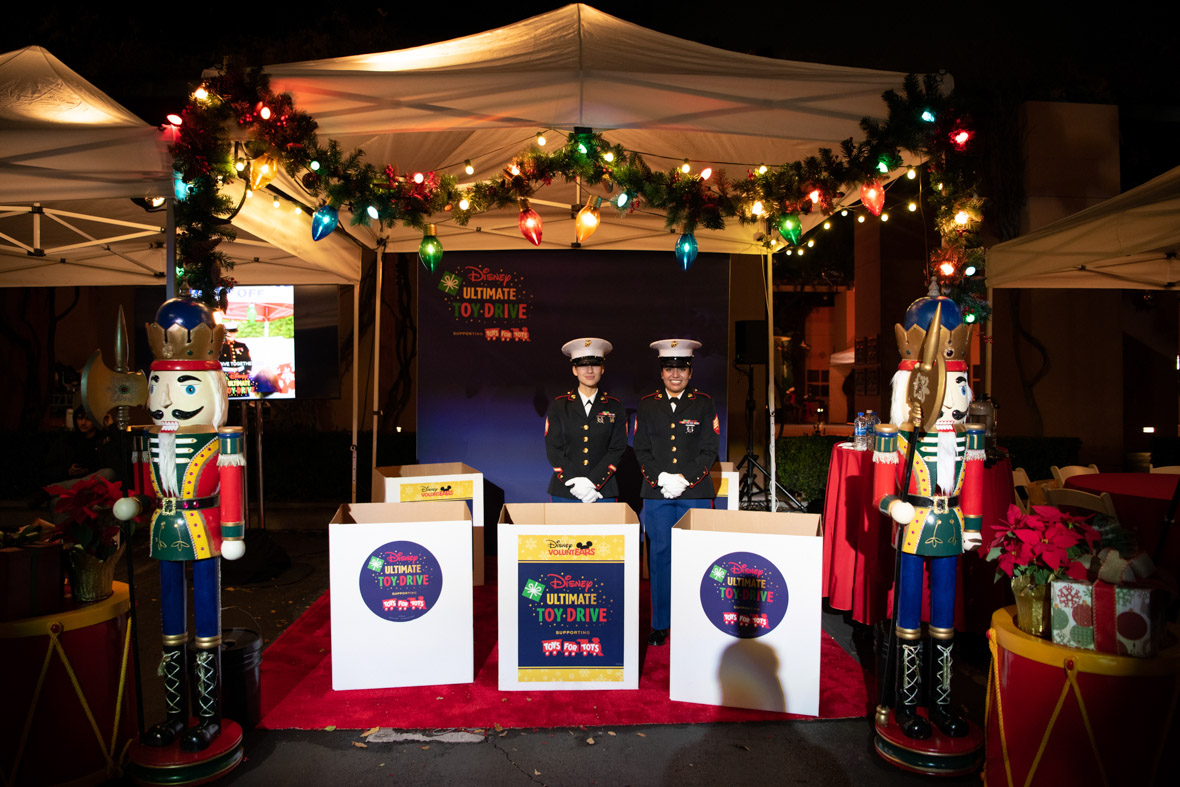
(168, 464)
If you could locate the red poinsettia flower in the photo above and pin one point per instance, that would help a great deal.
(1045, 542)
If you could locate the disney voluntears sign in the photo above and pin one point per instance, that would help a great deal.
(568, 597)
(570, 619)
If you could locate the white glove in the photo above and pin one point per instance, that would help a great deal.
(972, 539)
(672, 486)
(901, 512)
(582, 488)
(232, 550)
(594, 497)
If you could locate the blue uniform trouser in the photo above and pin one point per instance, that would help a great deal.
(658, 518)
(943, 571)
(206, 597)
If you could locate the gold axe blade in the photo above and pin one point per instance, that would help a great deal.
(104, 389)
(928, 379)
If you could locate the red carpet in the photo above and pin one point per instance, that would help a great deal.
(297, 689)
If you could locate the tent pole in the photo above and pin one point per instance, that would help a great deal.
(770, 484)
(377, 351)
(987, 347)
(170, 249)
(356, 348)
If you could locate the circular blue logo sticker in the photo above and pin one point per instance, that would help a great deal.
(400, 581)
(744, 595)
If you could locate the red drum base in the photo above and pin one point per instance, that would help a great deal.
(938, 755)
(152, 766)
(1058, 715)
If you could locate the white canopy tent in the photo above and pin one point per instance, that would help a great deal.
(1127, 242)
(484, 98)
(70, 159)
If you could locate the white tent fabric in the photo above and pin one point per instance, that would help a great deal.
(70, 159)
(484, 98)
(1127, 242)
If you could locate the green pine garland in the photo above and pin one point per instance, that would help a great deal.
(204, 156)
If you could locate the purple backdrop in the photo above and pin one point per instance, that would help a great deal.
(491, 327)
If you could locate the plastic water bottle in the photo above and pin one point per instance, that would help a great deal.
(860, 433)
(874, 422)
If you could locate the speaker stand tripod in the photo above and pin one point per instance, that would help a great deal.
(748, 468)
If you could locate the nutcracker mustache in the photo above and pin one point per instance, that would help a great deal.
(179, 415)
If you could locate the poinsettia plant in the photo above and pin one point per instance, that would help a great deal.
(1044, 543)
(89, 524)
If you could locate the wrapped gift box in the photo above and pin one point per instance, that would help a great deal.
(1124, 619)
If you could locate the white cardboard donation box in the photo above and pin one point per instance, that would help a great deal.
(401, 595)
(746, 610)
(432, 484)
(568, 596)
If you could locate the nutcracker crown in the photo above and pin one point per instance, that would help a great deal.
(954, 336)
(185, 331)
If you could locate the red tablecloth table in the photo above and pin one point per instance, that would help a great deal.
(1141, 502)
(858, 555)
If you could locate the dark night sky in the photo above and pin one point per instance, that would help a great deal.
(147, 58)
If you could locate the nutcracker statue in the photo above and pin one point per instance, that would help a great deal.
(928, 473)
(188, 470)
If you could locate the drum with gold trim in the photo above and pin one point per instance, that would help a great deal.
(1059, 715)
(68, 694)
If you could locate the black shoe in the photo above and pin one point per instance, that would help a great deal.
(948, 721)
(199, 737)
(164, 733)
(912, 725)
(657, 637)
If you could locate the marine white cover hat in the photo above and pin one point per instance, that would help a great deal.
(676, 352)
(587, 351)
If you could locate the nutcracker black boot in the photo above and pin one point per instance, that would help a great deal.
(175, 676)
(208, 699)
(941, 713)
(909, 688)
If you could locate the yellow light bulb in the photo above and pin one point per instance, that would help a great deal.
(264, 113)
(761, 169)
(884, 217)
(470, 170)
(200, 94)
(686, 167)
(756, 208)
(827, 225)
(608, 157)
(911, 173)
(913, 206)
(514, 170)
(860, 219)
(541, 138)
(464, 204)
(276, 203)
(961, 218)
(947, 268)
(810, 244)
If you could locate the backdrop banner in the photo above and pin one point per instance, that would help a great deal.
(490, 330)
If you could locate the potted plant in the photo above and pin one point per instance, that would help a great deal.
(93, 538)
(1033, 548)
